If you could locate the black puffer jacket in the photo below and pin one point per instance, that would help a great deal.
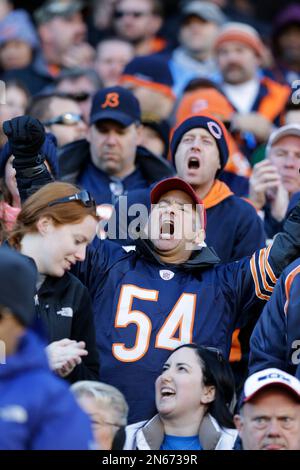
(64, 306)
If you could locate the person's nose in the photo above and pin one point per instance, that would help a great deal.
(273, 428)
(111, 138)
(291, 161)
(232, 58)
(167, 376)
(169, 210)
(197, 143)
(80, 253)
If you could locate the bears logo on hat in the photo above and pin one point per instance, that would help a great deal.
(115, 104)
(112, 100)
(215, 129)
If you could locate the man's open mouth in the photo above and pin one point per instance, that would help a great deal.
(193, 163)
(167, 228)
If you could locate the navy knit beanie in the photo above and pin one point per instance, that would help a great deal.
(152, 71)
(215, 127)
(49, 149)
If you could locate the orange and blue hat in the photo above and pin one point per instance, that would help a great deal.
(204, 121)
(151, 72)
(115, 104)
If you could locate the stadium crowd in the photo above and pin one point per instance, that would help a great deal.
(149, 225)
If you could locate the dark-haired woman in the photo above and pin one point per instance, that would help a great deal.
(194, 395)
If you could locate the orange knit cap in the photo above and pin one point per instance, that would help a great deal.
(204, 100)
(243, 33)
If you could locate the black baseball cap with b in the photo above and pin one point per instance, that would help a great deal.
(115, 104)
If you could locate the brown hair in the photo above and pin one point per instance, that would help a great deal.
(39, 105)
(36, 206)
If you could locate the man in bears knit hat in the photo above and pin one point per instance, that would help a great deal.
(199, 149)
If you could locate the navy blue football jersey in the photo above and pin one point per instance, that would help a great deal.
(145, 309)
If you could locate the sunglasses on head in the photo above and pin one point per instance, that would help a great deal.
(136, 14)
(215, 351)
(67, 119)
(84, 197)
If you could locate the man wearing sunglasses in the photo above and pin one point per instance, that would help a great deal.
(61, 116)
(138, 21)
(80, 84)
(110, 162)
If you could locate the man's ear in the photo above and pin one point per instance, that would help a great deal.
(44, 33)
(238, 421)
(155, 24)
(260, 60)
(44, 225)
(139, 131)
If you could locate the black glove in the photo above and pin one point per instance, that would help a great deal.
(26, 136)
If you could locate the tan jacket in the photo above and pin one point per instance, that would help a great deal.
(149, 435)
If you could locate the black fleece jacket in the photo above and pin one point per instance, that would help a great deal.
(64, 306)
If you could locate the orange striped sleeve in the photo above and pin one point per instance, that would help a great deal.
(268, 267)
(256, 280)
(262, 264)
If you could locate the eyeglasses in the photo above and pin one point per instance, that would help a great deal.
(67, 119)
(136, 14)
(84, 197)
(80, 96)
(100, 423)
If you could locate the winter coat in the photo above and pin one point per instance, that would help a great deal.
(37, 411)
(149, 435)
(64, 306)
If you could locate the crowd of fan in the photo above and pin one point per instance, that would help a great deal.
(138, 338)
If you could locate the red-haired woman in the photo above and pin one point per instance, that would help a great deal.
(54, 227)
